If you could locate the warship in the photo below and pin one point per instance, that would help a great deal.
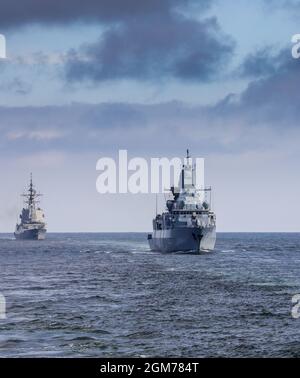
(188, 223)
(32, 225)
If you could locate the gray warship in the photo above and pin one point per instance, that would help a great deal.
(32, 225)
(188, 225)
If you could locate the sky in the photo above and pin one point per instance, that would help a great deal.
(85, 79)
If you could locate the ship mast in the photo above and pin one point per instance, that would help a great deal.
(31, 196)
(31, 192)
(183, 167)
(188, 156)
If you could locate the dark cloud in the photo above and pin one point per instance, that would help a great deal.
(274, 94)
(265, 113)
(261, 63)
(144, 40)
(253, 122)
(268, 62)
(15, 13)
(154, 48)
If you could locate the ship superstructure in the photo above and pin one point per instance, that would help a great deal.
(188, 224)
(32, 225)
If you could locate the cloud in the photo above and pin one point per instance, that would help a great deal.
(154, 48)
(15, 13)
(273, 96)
(143, 40)
(38, 58)
(288, 5)
(268, 61)
(262, 62)
(264, 116)
(39, 135)
(17, 86)
(233, 126)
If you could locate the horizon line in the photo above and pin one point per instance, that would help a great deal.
(145, 232)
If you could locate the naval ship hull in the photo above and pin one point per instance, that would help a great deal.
(34, 234)
(185, 239)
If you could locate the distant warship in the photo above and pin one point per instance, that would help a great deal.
(188, 224)
(32, 225)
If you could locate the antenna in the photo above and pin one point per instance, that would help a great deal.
(31, 195)
(156, 204)
(183, 168)
(193, 174)
(31, 187)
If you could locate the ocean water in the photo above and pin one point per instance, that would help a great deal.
(107, 295)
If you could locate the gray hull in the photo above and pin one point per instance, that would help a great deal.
(35, 234)
(185, 239)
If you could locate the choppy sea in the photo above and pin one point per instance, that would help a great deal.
(107, 295)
